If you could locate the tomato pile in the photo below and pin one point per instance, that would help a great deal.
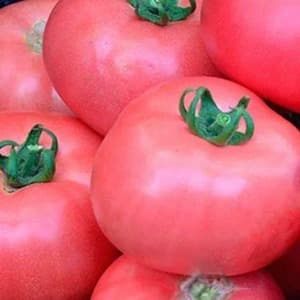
(150, 149)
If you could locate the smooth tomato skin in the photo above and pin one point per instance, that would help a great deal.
(111, 56)
(180, 204)
(248, 42)
(25, 84)
(129, 280)
(286, 271)
(51, 246)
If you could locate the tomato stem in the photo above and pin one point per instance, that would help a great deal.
(161, 12)
(30, 162)
(206, 288)
(210, 123)
(34, 37)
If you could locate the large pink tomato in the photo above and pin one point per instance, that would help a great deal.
(256, 43)
(51, 246)
(127, 280)
(24, 82)
(106, 55)
(207, 192)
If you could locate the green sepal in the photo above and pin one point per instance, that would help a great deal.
(161, 12)
(206, 120)
(29, 162)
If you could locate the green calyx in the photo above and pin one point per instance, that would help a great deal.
(205, 288)
(161, 12)
(207, 121)
(29, 162)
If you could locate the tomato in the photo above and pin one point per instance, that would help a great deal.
(25, 85)
(286, 271)
(112, 56)
(51, 246)
(256, 43)
(181, 204)
(129, 280)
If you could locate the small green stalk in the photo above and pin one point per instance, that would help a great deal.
(161, 12)
(34, 37)
(205, 288)
(210, 123)
(29, 162)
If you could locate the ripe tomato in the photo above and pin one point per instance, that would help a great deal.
(256, 43)
(129, 280)
(24, 84)
(180, 204)
(111, 55)
(51, 246)
(286, 271)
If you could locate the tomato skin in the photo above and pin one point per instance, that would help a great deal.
(111, 56)
(25, 84)
(248, 43)
(51, 246)
(184, 200)
(133, 281)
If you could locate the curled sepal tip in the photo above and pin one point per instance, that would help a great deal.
(207, 121)
(29, 162)
(161, 12)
